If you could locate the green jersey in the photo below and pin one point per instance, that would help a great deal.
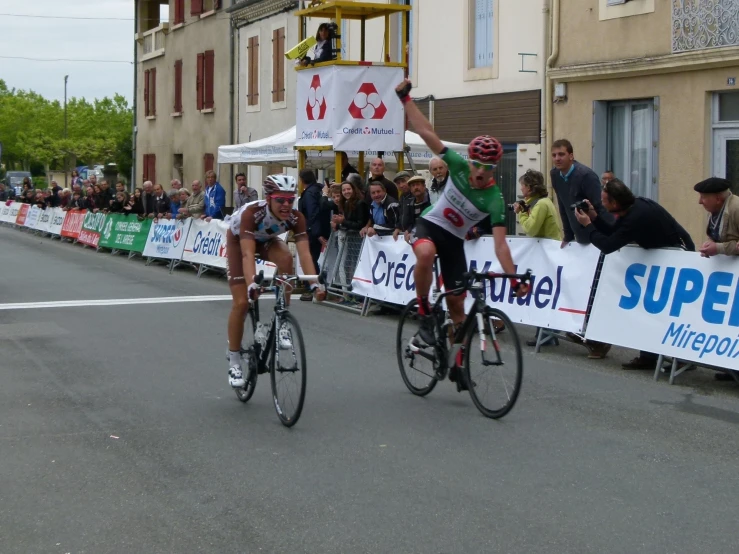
(460, 207)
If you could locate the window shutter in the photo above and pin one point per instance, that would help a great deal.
(199, 81)
(152, 173)
(281, 64)
(208, 162)
(146, 93)
(275, 62)
(153, 91)
(145, 164)
(178, 86)
(489, 34)
(216, 4)
(196, 7)
(253, 72)
(209, 75)
(480, 35)
(179, 12)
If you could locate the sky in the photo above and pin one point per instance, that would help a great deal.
(76, 39)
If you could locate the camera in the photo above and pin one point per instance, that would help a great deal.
(333, 30)
(521, 203)
(581, 205)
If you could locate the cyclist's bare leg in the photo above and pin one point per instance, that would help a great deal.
(425, 252)
(279, 254)
(239, 307)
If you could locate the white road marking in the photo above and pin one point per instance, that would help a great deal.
(121, 302)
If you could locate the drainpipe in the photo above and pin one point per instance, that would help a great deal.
(132, 182)
(231, 99)
(548, 84)
(543, 109)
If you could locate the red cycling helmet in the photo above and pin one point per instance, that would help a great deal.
(486, 149)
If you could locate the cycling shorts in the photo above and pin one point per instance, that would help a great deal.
(449, 248)
(234, 261)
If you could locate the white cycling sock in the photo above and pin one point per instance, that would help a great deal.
(234, 358)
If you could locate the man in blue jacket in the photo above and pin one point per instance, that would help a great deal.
(215, 197)
(310, 207)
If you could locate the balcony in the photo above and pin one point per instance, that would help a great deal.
(704, 24)
(153, 41)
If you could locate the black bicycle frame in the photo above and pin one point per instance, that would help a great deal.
(263, 355)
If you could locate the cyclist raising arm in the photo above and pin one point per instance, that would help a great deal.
(255, 229)
(470, 195)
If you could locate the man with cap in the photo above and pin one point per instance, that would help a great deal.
(723, 221)
(412, 205)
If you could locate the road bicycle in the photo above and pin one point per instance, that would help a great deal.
(277, 347)
(493, 368)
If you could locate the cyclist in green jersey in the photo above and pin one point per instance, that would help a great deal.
(469, 197)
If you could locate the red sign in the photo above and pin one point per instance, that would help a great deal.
(73, 223)
(316, 107)
(367, 103)
(453, 217)
(90, 238)
(20, 219)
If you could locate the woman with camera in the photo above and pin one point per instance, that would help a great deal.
(536, 211)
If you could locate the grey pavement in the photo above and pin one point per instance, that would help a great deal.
(591, 459)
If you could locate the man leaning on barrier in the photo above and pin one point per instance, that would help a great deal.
(638, 220)
(723, 221)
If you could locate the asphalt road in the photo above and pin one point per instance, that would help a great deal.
(592, 459)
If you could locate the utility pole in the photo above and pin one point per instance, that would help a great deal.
(66, 156)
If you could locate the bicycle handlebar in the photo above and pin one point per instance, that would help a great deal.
(259, 279)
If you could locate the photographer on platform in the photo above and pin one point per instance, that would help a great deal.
(323, 50)
(536, 212)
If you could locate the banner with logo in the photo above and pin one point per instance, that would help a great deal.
(72, 226)
(56, 221)
(124, 232)
(314, 114)
(368, 114)
(9, 212)
(92, 227)
(560, 286)
(669, 302)
(44, 220)
(167, 238)
(22, 213)
(206, 243)
(32, 217)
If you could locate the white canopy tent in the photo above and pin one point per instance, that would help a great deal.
(278, 149)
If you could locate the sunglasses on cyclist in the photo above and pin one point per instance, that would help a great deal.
(284, 199)
(480, 165)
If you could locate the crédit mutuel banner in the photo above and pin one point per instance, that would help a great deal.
(669, 302)
(350, 108)
(560, 287)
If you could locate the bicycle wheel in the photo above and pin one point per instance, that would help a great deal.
(287, 370)
(248, 358)
(493, 365)
(417, 371)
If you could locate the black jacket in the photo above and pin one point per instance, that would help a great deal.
(582, 184)
(162, 205)
(328, 209)
(356, 219)
(410, 211)
(310, 207)
(148, 204)
(391, 209)
(646, 223)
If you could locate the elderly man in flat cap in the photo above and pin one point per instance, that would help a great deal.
(723, 222)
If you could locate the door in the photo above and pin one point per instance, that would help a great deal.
(726, 156)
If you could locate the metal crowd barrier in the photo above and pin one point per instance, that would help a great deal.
(340, 262)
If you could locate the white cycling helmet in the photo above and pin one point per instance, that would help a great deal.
(279, 183)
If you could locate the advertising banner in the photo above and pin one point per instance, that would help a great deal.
(167, 239)
(124, 232)
(560, 286)
(314, 113)
(32, 217)
(56, 221)
(22, 213)
(669, 302)
(72, 226)
(367, 112)
(9, 211)
(92, 226)
(44, 220)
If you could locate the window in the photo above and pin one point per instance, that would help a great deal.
(208, 162)
(196, 7)
(252, 76)
(728, 106)
(482, 34)
(626, 141)
(150, 167)
(150, 92)
(204, 80)
(278, 65)
(179, 12)
(178, 87)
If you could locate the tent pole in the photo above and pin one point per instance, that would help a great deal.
(338, 158)
(301, 166)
